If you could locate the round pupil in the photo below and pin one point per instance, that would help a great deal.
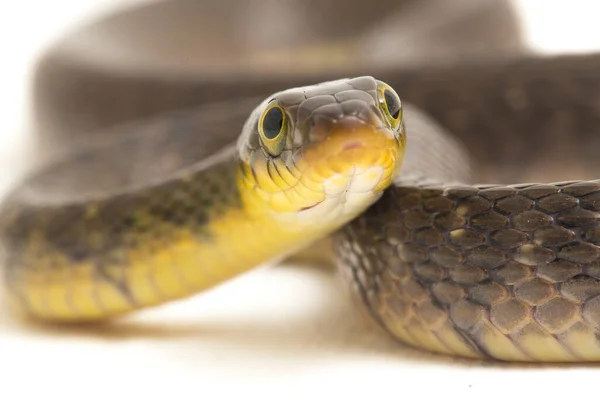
(273, 122)
(392, 104)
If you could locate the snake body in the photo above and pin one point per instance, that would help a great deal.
(503, 272)
(508, 272)
(98, 251)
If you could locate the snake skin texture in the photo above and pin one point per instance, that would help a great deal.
(504, 272)
(508, 272)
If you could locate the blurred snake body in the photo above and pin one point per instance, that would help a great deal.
(490, 271)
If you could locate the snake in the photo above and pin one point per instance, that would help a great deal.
(174, 204)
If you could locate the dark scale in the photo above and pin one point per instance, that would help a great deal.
(515, 254)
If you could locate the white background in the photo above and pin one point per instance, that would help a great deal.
(282, 332)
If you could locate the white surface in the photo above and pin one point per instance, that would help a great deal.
(23, 35)
(282, 332)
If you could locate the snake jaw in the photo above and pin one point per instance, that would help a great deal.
(346, 196)
(354, 163)
(312, 206)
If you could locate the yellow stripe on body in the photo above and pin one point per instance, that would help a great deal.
(163, 270)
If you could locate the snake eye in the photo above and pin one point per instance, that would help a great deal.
(272, 128)
(390, 104)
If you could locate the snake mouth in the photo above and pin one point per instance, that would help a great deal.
(340, 146)
(353, 145)
(351, 162)
(312, 206)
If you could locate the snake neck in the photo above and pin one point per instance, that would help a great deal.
(98, 259)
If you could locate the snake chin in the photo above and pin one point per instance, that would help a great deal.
(346, 196)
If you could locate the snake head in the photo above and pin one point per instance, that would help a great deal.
(322, 151)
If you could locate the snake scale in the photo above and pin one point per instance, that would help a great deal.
(507, 272)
